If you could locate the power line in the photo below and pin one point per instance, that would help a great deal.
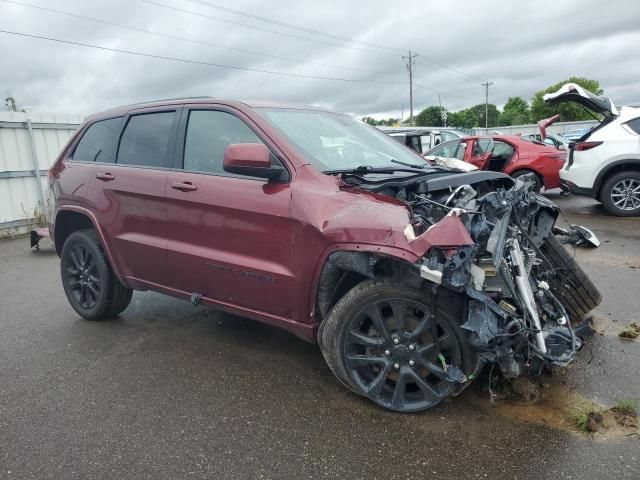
(275, 32)
(445, 93)
(199, 42)
(295, 27)
(318, 32)
(330, 35)
(198, 62)
(459, 72)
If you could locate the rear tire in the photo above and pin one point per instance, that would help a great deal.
(570, 285)
(92, 289)
(121, 298)
(620, 194)
(378, 340)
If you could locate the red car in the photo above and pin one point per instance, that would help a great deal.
(408, 275)
(510, 154)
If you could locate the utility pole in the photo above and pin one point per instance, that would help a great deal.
(443, 114)
(410, 64)
(486, 86)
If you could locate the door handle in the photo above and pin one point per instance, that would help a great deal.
(184, 186)
(105, 176)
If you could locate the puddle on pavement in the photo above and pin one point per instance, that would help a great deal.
(548, 401)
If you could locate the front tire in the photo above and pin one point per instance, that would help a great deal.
(88, 281)
(384, 341)
(620, 194)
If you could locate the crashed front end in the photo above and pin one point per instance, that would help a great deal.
(489, 244)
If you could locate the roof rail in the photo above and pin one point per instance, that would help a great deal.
(168, 100)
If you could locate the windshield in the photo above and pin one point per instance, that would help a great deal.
(333, 142)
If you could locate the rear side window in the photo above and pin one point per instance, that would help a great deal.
(209, 132)
(95, 144)
(146, 140)
(634, 125)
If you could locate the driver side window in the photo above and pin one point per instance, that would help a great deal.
(209, 133)
(462, 147)
(446, 150)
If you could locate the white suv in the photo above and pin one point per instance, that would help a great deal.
(605, 162)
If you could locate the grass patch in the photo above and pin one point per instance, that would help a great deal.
(626, 406)
(630, 332)
(584, 414)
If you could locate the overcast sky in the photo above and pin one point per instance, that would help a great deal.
(521, 48)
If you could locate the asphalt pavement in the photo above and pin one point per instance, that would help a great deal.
(169, 390)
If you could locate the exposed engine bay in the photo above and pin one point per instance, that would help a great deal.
(487, 236)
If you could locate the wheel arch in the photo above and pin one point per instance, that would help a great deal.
(72, 218)
(632, 164)
(344, 268)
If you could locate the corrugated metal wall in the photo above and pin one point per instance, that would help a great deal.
(24, 150)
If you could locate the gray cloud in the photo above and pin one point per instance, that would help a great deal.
(520, 48)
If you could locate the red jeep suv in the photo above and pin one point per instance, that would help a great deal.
(411, 277)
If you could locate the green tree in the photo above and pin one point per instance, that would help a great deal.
(386, 122)
(516, 112)
(430, 117)
(474, 117)
(461, 119)
(569, 111)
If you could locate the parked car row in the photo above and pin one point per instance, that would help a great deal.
(603, 162)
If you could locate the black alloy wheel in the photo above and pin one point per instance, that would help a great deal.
(385, 342)
(83, 277)
(396, 352)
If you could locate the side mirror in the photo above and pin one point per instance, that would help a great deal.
(250, 159)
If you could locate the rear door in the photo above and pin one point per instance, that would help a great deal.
(230, 236)
(128, 194)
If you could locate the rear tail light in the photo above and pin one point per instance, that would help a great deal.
(581, 146)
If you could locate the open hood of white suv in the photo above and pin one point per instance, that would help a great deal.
(572, 92)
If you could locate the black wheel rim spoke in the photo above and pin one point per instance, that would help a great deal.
(375, 387)
(378, 320)
(83, 280)
(366, 360)
(362, 339)
(421, 327)
(397, 401)
(395, 352)
(429, 393)
(399, 309)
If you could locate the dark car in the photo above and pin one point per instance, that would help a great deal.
(410, 277)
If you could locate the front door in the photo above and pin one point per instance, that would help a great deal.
(230, 237)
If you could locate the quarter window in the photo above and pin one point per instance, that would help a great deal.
(95, 143)
(209, 133)
(146, 140)
(634, 125)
